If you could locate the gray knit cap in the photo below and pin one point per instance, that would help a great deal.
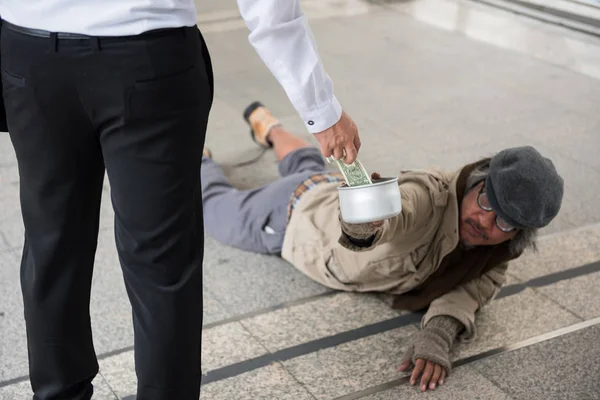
(524, 188)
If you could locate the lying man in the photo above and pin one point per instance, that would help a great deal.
(447, 251)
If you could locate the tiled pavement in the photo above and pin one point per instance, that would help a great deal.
(429, 82)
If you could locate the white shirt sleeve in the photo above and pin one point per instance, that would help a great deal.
(281, 36)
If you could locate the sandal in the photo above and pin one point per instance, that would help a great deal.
(261, 122)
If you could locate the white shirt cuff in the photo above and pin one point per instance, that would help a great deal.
(322, 118)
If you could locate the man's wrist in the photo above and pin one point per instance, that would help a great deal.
(446, 327)
(322, 118)
(358, 231)
(430, 346)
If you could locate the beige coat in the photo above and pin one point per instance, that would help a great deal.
(406, 250)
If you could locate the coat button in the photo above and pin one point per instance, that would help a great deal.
(311, 122)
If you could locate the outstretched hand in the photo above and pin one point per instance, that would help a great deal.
(341, 140)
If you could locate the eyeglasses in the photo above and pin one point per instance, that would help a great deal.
(484, 204)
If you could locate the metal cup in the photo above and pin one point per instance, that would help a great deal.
(369, 203)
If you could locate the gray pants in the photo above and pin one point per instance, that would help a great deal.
(238, 217)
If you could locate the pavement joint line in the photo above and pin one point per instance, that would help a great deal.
(285, 304)
(14, 381)
(477, 357)
(107, 384)
(560, 305)
(550, 279)
(351, 335)
(376, 328)
(4, 240)
(310, 347)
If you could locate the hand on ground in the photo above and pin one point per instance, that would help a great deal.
(428, 353)
(433, 374)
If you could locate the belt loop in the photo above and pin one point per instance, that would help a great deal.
(95, 43)
(53, 42)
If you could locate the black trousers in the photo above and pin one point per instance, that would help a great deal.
(3, 123)
(136, 107)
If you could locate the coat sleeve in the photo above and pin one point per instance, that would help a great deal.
(465, 300)
(417, 211)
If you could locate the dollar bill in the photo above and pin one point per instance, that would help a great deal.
(354, 174)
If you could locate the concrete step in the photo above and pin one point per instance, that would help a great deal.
(585, 13)
(575, 16)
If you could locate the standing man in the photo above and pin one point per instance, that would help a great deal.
(126, 86)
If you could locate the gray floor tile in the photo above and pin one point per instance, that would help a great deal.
(102, 391)
(22, 391)
(353, 366)
(109, 307)
(17, 391)
(107, 213)
(119, 373)
(9, 174)
(564, 368)
(269, 383)
(317, 319)
(13, 344)
(463, 383)
(13, 347)
(512, 319)
(7, 151)
(213, 310)
(557, 133)
(4, 244)
(11, 221)
(228, 344)
(9, 268)
(244, 282)
(559, 252)
(579, 295)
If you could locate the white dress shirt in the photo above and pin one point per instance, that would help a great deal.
(99, 17)
(279, 32)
